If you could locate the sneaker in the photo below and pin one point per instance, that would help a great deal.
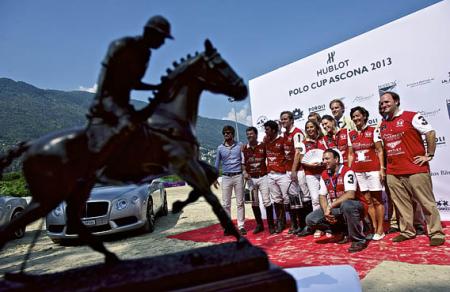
(242, 231)
(392, 230)
(401, 237)
(437, 241)
(377, 236)
(318, 234)
(328, 234)
(370, 236)
(357, 246)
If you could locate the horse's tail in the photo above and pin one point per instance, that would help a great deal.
(13, 153)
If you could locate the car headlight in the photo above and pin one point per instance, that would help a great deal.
(58, 211)
(121, 204)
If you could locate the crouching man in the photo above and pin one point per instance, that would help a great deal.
(343, 208)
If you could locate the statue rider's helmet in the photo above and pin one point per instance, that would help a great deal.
(160, 24)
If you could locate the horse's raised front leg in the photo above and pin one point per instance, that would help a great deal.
(74, 209)
(211, 176)
(195, 175)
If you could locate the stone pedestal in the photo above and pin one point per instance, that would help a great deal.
(228, 266)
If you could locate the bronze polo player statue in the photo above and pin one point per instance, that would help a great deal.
(59, 166)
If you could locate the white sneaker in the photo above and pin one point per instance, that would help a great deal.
(377, 236)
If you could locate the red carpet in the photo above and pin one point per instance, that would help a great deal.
(290, 251)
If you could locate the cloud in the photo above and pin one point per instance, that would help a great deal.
(92, 89)
(243, 115)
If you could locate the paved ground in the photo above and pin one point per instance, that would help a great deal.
(48, 257)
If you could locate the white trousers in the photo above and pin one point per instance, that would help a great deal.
(229, 183)
(260, 186)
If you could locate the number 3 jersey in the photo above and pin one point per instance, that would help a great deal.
(402, 140)
(342, 181)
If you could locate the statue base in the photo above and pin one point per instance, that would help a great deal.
(228, 266)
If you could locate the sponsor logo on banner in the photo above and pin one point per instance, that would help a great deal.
(443, 205)
(330, 57)
(359, 99)
(419, 83)
(390, 86)
(261, 121)
(372, 122)
(440, 141)
(442, 172)
(341, 71)
(446, 81)
(331, 65)
(298, 114)
(317, 108)
(430, 114)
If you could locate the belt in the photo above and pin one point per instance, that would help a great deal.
(257, 176)
(274, 172)
(231, 173)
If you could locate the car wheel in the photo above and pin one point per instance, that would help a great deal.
(150, 214)
(165, 207)
(21, 231)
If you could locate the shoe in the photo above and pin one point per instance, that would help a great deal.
(259, 228)
(318, 234)
(437, 241)
(370, 236)
(305, 232)
(419, 229)
(271, 229)
(377, 236)
(343, 240)
(357, 246)
(242, 231)
(392, 230)
(401, 237)
(328, 234)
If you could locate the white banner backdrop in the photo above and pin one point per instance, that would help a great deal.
(410, 56)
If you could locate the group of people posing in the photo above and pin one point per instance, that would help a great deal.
(329, 178)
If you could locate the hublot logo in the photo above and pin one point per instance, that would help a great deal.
(331, 67)
(330, 57)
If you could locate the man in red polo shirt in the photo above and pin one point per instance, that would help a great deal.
(294, 151)
(342, 205)
(408, 171)
(278, 180)
(255, 173)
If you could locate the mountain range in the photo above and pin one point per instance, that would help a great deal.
(28, 112)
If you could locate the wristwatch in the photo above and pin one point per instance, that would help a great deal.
(430, 155)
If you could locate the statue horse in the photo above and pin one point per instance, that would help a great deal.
(59, 166)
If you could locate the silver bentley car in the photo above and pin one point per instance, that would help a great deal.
(11, 207)
(113, 209)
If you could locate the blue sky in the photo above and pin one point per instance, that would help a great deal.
(57, 44)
